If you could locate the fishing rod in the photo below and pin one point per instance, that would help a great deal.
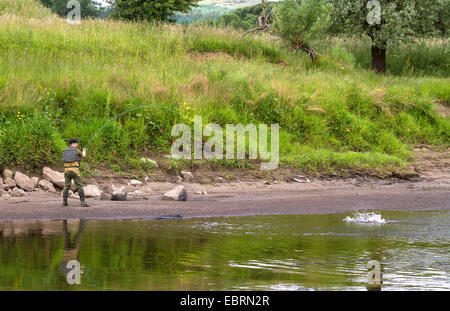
(122, 113)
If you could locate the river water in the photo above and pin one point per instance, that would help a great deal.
(292, 252)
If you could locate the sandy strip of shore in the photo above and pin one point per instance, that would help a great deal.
(242, 199)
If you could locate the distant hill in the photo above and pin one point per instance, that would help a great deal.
(210, 10)
(201, 13)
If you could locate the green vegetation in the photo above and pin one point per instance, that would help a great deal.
(299, 23)
(149, 10)
(88, 8)
(60, 81)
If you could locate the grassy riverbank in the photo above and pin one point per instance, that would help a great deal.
(60, 81)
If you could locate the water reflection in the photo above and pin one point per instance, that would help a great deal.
(71, 248)
(295, 252)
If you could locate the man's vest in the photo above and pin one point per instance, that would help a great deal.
(70, 155)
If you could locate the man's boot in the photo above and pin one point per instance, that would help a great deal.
(82, 198)
(65, 196)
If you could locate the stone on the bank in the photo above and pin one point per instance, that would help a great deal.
(177, 194)
(188, 176)
(35, 181)
(6, 196)
(91, 191)
(56, 178)
(145, 189)
(118, 194)
(301, 179)
(3, 192)
(8, 183)
(17, 192)
(46, 185)
(23, 181)
(105, 196)
(135, 182)
(150, 161)
(201, 192)
(8, 173)
(131, 196)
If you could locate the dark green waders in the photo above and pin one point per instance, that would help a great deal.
(68, 176)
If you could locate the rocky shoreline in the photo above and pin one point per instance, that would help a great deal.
(17, 184)
(226, 192)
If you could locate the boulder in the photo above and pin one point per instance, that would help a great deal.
(118, 194)
(17, 192)
(8, 173)
(105, 196)
(56, 178)
(150, 161)
(135, 182)
(23, 181)
(145, 189)
(8, 183)
(46, 185)
(6, 196)
(35, 181)
(133, 195)
(3, 192)
(91, 191)
(177, 194)
(188, 176)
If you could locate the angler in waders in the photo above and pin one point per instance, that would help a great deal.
(72, 157)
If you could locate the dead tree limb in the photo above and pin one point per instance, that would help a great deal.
(263, 21)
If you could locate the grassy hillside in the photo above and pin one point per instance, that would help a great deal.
(60, 81)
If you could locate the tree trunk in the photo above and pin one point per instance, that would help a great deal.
(305, 48)
(379, 59)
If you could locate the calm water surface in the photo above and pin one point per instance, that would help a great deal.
(294, 252)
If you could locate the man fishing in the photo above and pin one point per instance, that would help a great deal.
(72, 157)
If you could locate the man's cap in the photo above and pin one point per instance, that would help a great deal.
(73, 141)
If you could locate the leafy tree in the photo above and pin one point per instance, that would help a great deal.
(158, 10)
(299, 22)
(388, 22)
(89, 8)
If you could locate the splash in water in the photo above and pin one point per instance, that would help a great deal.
(370, 218)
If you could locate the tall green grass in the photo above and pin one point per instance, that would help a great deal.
(68, 80)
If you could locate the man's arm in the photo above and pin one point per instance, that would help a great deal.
(81, 154)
